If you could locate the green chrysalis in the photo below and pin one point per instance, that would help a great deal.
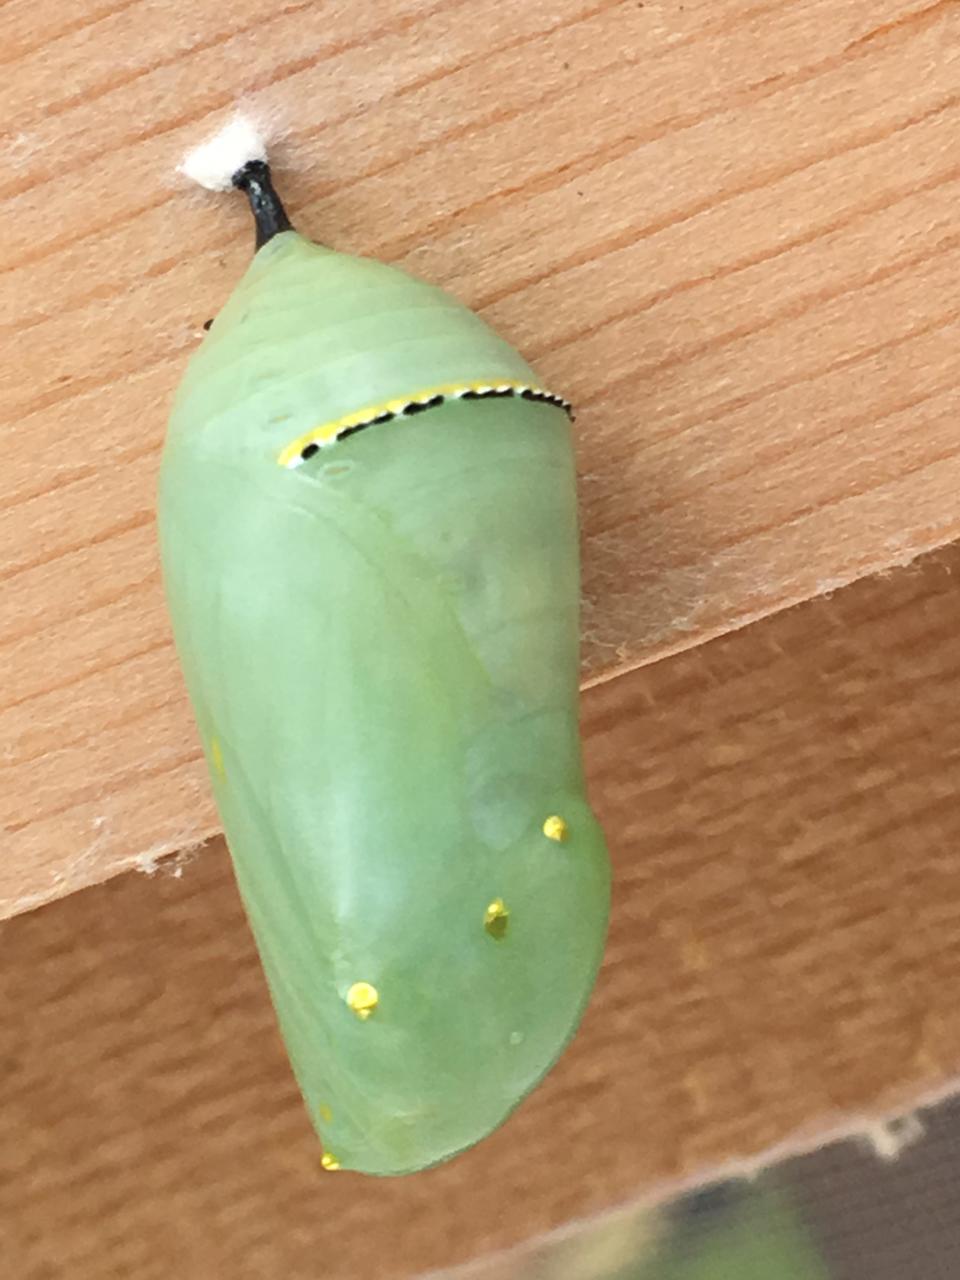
(368, 530)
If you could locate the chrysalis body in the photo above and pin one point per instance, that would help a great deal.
(380, 645)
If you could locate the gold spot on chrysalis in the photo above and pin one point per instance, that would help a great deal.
(363, 999)
(216, 758)
(329, 1162)
(496, 918)
(324, 1112)
(555, 828)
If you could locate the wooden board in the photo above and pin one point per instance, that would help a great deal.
(784, 816)
(728, 229)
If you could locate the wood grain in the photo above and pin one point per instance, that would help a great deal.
(785, 822)
(727, 229)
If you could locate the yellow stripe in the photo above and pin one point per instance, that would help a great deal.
(327, 432)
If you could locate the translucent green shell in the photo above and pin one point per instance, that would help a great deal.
(381, 650)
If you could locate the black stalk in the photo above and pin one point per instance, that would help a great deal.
(254, 180)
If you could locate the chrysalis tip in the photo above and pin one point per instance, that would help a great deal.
(215, 163)
(237, 157)
(253, 179)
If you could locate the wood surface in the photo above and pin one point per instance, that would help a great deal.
(729, 230)
(785, 825)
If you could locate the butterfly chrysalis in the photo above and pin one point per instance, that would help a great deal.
(368, 529)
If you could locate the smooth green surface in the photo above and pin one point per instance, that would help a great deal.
(384, 644)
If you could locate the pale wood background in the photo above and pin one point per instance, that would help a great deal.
(730, 231)
(783, 962)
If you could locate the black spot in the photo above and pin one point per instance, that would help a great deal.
(413, 407)
(503, 391)
(207, 324)
(309, 450)
(471, 395)
(383, 417)
(352, 431)
(528, 394)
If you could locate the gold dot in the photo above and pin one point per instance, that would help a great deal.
(496, 918)
(329, 1162)
(363, 999)
(216, 758)
(555, 828)
(324, 1112)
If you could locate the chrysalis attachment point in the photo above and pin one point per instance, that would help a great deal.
(363, 999)
(213, 163)
(253, 179)
(496, 918)
(555, 828)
